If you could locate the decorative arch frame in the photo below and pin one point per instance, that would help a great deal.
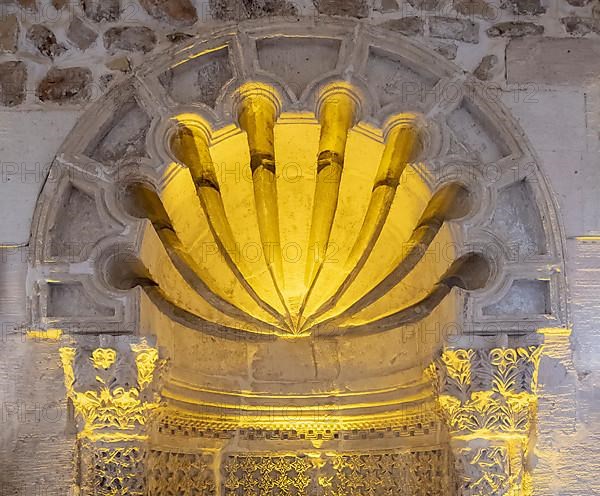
(80, 221)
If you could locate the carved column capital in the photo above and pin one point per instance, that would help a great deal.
(113, 392)
(488, 399)
(111, 389)
(491, 390)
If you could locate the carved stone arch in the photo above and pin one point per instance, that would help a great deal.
(260, 375)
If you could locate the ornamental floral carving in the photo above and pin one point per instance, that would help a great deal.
(493, 469)
(374, 473)
(179, 474)
(116, 470)
(111, 405)
(488, 399)
(487, 390)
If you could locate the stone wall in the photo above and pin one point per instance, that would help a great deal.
(542, 58)
(57, 57)
(68, 52)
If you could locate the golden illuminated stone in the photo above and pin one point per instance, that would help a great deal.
(288, 223)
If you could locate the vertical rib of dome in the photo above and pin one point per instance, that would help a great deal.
(149, 204)
(190, 145)
(337, 114)
(450, 202)
(468, 272)
(257, 113)
(402, 144)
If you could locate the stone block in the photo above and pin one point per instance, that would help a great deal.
(228, 10)
(447, 50)
(45, 41)
(528, 7)
(421, 5)
(409, 26)
(350, 8)
(9, 33)
(101, 10)
(552, 61)
(454, 29)
(12, 83)
(181, 12)
(580, 26)
(130, 38)
(72, 85)
(515, 29)
(472, 8)
(485, 67)
(81, 35)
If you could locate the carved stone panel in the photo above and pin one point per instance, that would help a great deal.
(378, 473)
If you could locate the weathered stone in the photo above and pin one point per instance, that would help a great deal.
(484, 69)
(264, 8)
(228, 10)
(177, 37)
(28, 4)
(580, 26)
(350, 8)
(13, 76)
(101, 10)
(455, 29)
(45, 41)
(180, 12)
(386, 6)
(9, 33)
(71, 85)
(553, 60)
(472, 8)
(447, 50)
(578, 3)
(528, 7)
(222, 9)
(412, 25)
(130, 38)
(60, 4)
(515, 29)
(119, 64)
(106, 79)
(81, 35)
(428, 5)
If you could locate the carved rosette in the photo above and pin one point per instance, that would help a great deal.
(488, 399)
(112, 392)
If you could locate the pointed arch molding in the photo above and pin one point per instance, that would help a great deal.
(129, 201)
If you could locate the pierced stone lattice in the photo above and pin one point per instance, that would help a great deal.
(421, 473)
(248, 475)
(179, 474)
(386, 473)
(117, 471)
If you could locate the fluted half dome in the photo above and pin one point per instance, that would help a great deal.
(292, 223)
